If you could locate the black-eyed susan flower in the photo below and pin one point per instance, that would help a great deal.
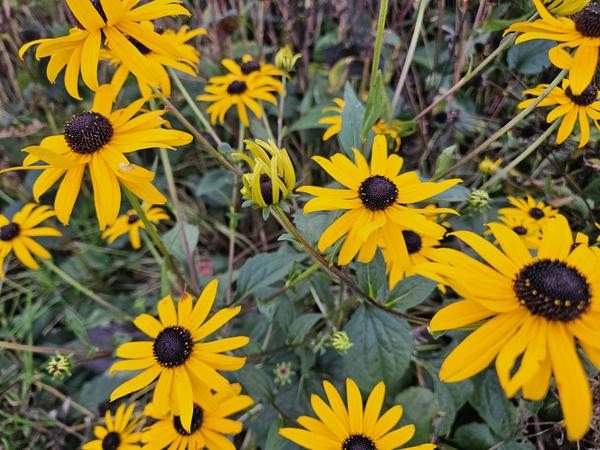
(390, 130)
(272, 178)
(185, 60)
(565, 7)
(354, 425)
(119, 432)
(119, 22)
(131, 223)
(209, 427)
(528, 208)
(488, 166)
(242, 91)
(99, 140)
(580, 32)
(376, 200)
(534, 310)
(178, 355)
(528, 229)
(571, 109)
(334, 121)
(269, 74)
(17, 235)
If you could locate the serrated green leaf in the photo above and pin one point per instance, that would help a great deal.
(410, 292)
(352, 117)
(301, 326)
(256, 382)
(475, 436)
(174, 241)
(420, 406)
(378, 106)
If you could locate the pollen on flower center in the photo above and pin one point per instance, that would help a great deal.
(266, 188)
(9, 231)
(111, 441)
(88, 132)
(237, 87)
(173, 346)
(197, 419)
(520, 230)
(132, 218)
(413, 241)
(587, 97)
(249, 67)
(377, 192)
(536, 213)
(358, 442)
(552, 289)
(587, 21)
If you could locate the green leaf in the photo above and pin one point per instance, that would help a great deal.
(420, 406)
(378, 106)
(275, 441)
(173, 239)
(308, 120)
(382, 348)
(256, 382)
(338, 73)
(444, 159)
(371, 277)
(352, 117)
(215, 187)
(301, 326)
(451, 398)
(475, 436)
(76, 325)
(456, 193)
(312, 225)
(531, 57)
(410, 292)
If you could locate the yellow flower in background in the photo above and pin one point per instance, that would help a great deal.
(185, 60)
(272, 178)
(119, 22)
(16, 235)
(209, 425)
(565, 7)
(226, 91)
(388, 130)
(376, 200)
(534, 308)
(286, 59)
(352, 425)
(178, 355)
(131, 223)
(570, 109)
(333, 120)
(528, 208)
(98, 140)
(269, 74)
(488, 166)
(580, 32)
(527, 228)
(118, 433)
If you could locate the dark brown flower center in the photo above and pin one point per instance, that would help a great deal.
(413, 241)
(237, 87)
(197, 419)
(358, 442)
(9, 231)
(520, 230)
(587, 21)
(377, 192)
(111, 441)
(88, 132)
(587, 97)
(266, 188)
(536, 213)
(249, 67)
(553, 290)
(132, 218)
(173, 346)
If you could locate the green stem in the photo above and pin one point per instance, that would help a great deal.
(502, 130)
(85, 291)
(410, 54)
(290, 228)
(151, 248)
(383, 9)
(151, 230)
(265, 121)
(50, 350)
(501, 174)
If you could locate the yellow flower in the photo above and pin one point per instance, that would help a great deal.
(119, 22)
(185, 60)
(570, 108)
(376, 200)
(209, 425)
(286, 59)
(98, 140)
(118, 433)
(352, 425)
(243, 92)
(533, 308)
(131, 223)
(178, 357)
(269, 74)
(334, 121)
(16, 235)
(388, 130)
(579, 32)
(565, 7)
(272, 178)
(527, 208)
(528, 229)
(488, 166)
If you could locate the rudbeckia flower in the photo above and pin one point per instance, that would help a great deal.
(580, 32)
(209, 428)
(570, 109)
(376, 200)
(118, 433)
(565, 7)
(333, 120)
(268, 72)
(119, 22)
(131, 223)
(229, 90)
(528, 229)
(354, 425)
(272, 178)
(16, 235)
(488, 166)
(185, 60)
(178, 356)
(528, 208)
(533, 308)
(98, 140)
